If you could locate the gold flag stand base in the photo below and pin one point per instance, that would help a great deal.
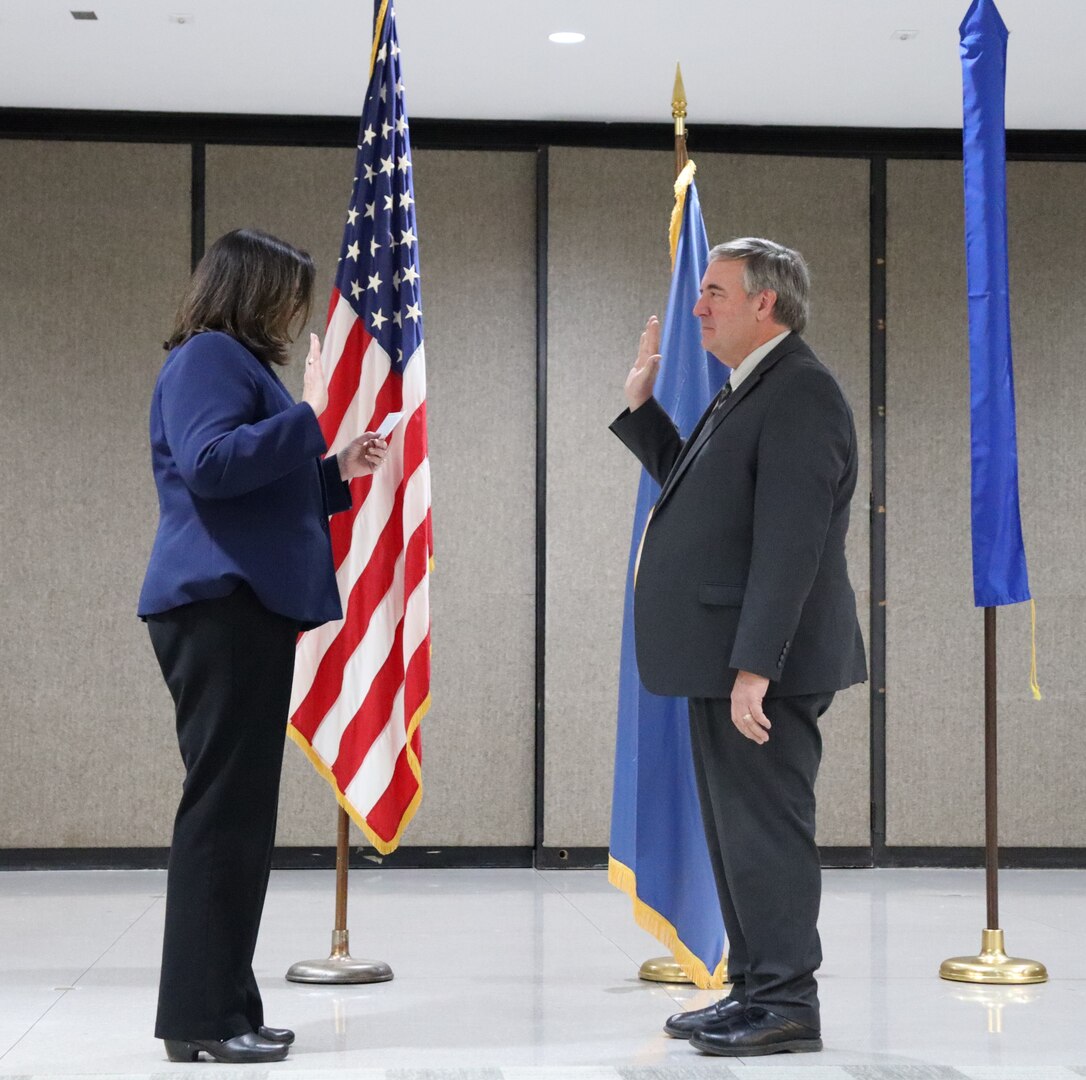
(340, 967)
(993, 965)
(662, 970)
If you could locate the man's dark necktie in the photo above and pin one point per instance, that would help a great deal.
(725, 393)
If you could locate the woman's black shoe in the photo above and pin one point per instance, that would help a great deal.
(276, 1035)
(247, 1048)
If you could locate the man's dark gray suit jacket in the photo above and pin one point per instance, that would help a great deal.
(743, 562)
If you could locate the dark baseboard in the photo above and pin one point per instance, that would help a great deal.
(127, 858)
(285, 858)
(595, 858)
(1010, 858)
(845, 858)
(571, 858)
(548, 858)
(407, 858)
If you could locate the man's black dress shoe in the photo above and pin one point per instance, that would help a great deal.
(247, 1048)
(757, 1031)
(683, 1025)
(276, 1035)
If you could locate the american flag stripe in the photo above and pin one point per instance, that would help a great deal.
(355, 654)
(393, 396)
(393, 737)
(384, 812)
(362, 685)
(368, 579)
(382, 683)
(365, 534)
(342, 322)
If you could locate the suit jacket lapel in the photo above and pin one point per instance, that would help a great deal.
(712, 420)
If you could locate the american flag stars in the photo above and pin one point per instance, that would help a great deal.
(384, 289)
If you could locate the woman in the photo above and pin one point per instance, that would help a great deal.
(241, 562)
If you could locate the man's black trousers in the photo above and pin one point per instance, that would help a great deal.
(758, 808)
(229, 664)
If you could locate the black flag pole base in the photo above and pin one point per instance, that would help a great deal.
(340, 967)
(993, 965)
(663, 970)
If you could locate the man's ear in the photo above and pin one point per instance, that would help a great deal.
(767, 301)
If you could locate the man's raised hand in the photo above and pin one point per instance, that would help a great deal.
(642, 376)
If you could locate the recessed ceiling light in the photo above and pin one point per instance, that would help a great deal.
(88, 15)
(567, 37)
(904, 35)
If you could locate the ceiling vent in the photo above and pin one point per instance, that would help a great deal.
(90, 16)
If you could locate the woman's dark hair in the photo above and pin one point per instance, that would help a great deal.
(252, 286)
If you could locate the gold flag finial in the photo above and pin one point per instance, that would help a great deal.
(678, 100)
(678, 110)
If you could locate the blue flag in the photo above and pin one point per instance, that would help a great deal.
(999, 556)
(658, 851)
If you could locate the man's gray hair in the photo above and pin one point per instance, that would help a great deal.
(768, 265)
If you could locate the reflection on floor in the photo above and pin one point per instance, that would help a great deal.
(526, 975)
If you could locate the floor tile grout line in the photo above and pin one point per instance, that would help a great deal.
(120, 937)
(75, 982)
(613, 943)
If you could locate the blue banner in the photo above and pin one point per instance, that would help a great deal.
(999, 557)
(658, 851)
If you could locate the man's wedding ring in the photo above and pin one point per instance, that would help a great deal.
(747, 716)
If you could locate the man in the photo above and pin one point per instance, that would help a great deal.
(743, 605)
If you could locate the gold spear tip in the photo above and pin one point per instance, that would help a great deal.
(678, 95)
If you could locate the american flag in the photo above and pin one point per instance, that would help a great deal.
(362, 685)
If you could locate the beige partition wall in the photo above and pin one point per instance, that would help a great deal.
(94, 251)
(478, 290)
(608, 270)
(934, 634)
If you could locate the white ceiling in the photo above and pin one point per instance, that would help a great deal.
(818, 62)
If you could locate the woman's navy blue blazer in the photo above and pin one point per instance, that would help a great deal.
(244, 491)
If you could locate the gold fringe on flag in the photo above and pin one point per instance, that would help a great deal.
(385, 847)
(622, 877)
(682, 182)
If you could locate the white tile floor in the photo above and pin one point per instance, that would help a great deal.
(524, 975)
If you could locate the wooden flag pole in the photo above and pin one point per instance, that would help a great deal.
(666, 969)
(340, 966)
(991, 964)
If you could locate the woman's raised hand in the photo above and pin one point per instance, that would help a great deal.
(314, 388)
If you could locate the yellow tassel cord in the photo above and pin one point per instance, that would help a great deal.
(622, 877)
(379, 25)
(682, 182)
(1033, 684)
